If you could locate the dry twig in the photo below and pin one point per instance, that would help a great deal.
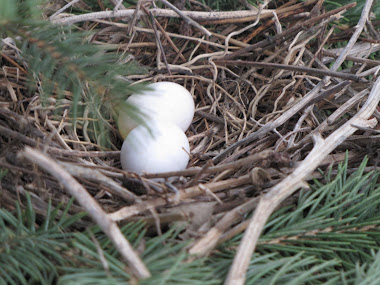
(199, 16)
(109, 227)
(296, 179)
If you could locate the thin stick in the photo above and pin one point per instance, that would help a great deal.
(299, 105)
(295, 180)
(291, 68)
(160, 13)
(288, 33)
(57, 151)
(130, 211)
(119, 5)
(367, 61)
(204, 245)
(249, 160)
(279, 11)
(63, 9)
(95, 175)
(186, 18)
(198, 176)
(158, 40)
(109, 227)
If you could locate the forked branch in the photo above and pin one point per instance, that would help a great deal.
(295, 180)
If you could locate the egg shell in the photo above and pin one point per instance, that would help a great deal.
(161, 148)
(126, 124)
(167, 101)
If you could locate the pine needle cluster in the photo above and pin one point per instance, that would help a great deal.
(329, 235)
(46, 252)
(68, 71)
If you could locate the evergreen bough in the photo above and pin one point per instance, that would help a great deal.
(69, 71)
(328, 236)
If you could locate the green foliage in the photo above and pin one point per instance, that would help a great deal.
(328, 236)
(42, 252)
(30, 251)
(94, 4)
(3, 172)
(165, 257)
(352, 15)
(367, 274)
(64, 65)
(16, 10)
(221, 5)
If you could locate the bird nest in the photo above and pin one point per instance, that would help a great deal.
(275, 100)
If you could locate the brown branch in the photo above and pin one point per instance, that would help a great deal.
(204, 245)
(288, 33)
(366, 61)
(297, 107)
(291, 68)
(186, 18)
(297, 8)
(201, 172)
(127, 212)
(198, 16)
(97, 176)
(249, 160)
(296, 179)
(158, 40)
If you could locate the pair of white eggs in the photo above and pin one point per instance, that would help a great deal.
(160, 144)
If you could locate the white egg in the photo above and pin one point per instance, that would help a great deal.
(161, 148)
(167, 101)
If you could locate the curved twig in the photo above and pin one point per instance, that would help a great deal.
(295, 180)
(96, 212)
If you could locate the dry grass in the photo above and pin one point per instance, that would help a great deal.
(247, 99)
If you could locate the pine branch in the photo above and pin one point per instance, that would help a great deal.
(30, 251)
(165, 257)
(63, 65)
(332, 230)
(329, 235)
